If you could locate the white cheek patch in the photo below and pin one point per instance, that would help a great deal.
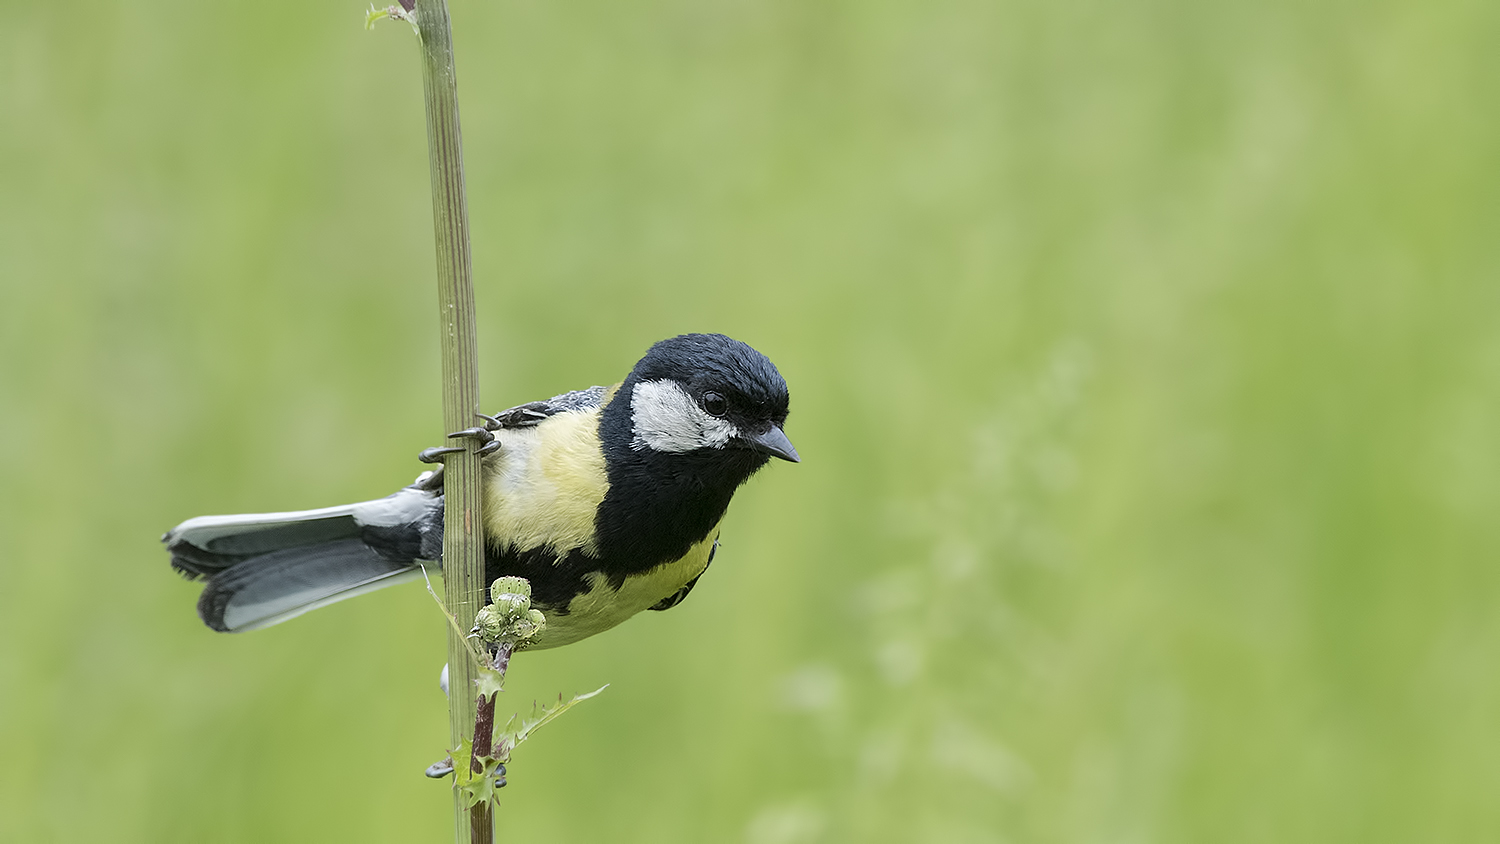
(665, 418)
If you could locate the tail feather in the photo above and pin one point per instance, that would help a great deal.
(255, 533)
(207, 545)
(274, 587)
(265, 568)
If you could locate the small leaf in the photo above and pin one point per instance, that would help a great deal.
(463, 761)
(489, 681)
(479, 790)
(510, 738)
(480, 787)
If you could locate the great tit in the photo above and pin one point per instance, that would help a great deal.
(608, 500)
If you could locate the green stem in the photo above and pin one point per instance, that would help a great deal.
(463, 529)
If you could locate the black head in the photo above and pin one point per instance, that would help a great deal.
(696, 418)
(697, 392)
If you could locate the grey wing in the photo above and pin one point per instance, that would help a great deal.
(524, 416)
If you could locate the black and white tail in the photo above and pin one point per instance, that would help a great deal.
(266, 568)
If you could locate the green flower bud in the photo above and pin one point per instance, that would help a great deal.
(489, 624)
(511, 606)
(510, 585)
(510, 618)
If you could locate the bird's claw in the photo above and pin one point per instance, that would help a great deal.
(436, 455)
(483, 435)
(487, 443)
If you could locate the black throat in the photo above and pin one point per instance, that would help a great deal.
(660, 504)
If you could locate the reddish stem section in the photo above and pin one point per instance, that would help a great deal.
(481, 823)
(484, 730)
(484, 711)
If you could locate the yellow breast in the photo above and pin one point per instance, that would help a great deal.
(545, 484)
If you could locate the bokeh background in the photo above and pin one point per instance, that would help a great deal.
(1144, 361)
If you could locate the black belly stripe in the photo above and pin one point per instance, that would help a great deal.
(554, 582)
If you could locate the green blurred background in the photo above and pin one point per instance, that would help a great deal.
(1144, 361)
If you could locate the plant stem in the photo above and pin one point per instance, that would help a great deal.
(463, 529)
(484, 706)
(484, 730)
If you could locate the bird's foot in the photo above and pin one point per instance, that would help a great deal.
(480, 434)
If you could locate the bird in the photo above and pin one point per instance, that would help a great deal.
(608, 500)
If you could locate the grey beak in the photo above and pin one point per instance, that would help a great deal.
(774, 443)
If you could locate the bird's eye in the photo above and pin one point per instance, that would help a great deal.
(715, 404)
